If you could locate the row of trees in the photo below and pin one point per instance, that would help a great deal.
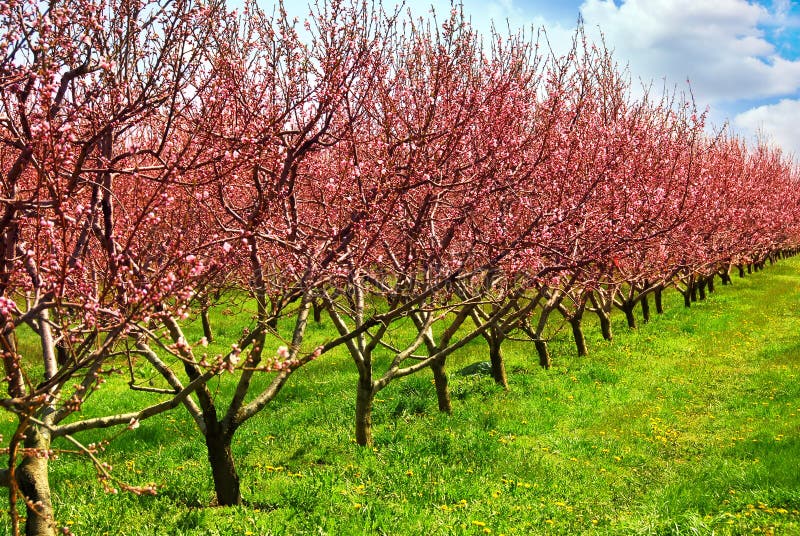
(160, 157)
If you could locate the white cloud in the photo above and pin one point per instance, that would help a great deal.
(718, 45)
(781, 8)
(776, 122)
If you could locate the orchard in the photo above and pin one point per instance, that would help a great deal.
(411, 185)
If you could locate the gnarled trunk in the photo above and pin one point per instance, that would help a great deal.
(62, 354)
(701, 289)
(442, 390)
(605, 326)
(544, 355)
(207, 332)
(627, 308)
(32, 477)
(495, 340)
(364, 398)
(657, 299)
(577, 334)
(223, 468)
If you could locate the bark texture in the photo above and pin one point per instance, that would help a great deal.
(577, 334)
(441, 383)
(496, 359)
(364, 399)
(605, 327)
(657, 299)
(32, 477)
(544, 354)
(223, 469)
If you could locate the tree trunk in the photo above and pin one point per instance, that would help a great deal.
(645, 309)
(317, 309)
(442, 391)
(544, 355)
(750, 268)
(605, 326)
(207, 333)
(710, 282)
(223, 468)
(577, 334)
(657, 299)
(364, 399)
(34, 484)
(741, 270)
(701, 289)
(496, 359)
(693, 291)
(725, 275)
(62, 354)
(627, 308)
(687, 298)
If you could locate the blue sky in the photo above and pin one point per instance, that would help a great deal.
(741, 56)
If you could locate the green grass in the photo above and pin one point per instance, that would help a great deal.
(687, 425)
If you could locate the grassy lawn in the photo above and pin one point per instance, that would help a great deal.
(687, 425)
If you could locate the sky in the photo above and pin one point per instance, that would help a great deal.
(741, 57)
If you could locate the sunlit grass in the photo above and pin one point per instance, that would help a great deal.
(687, 425)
